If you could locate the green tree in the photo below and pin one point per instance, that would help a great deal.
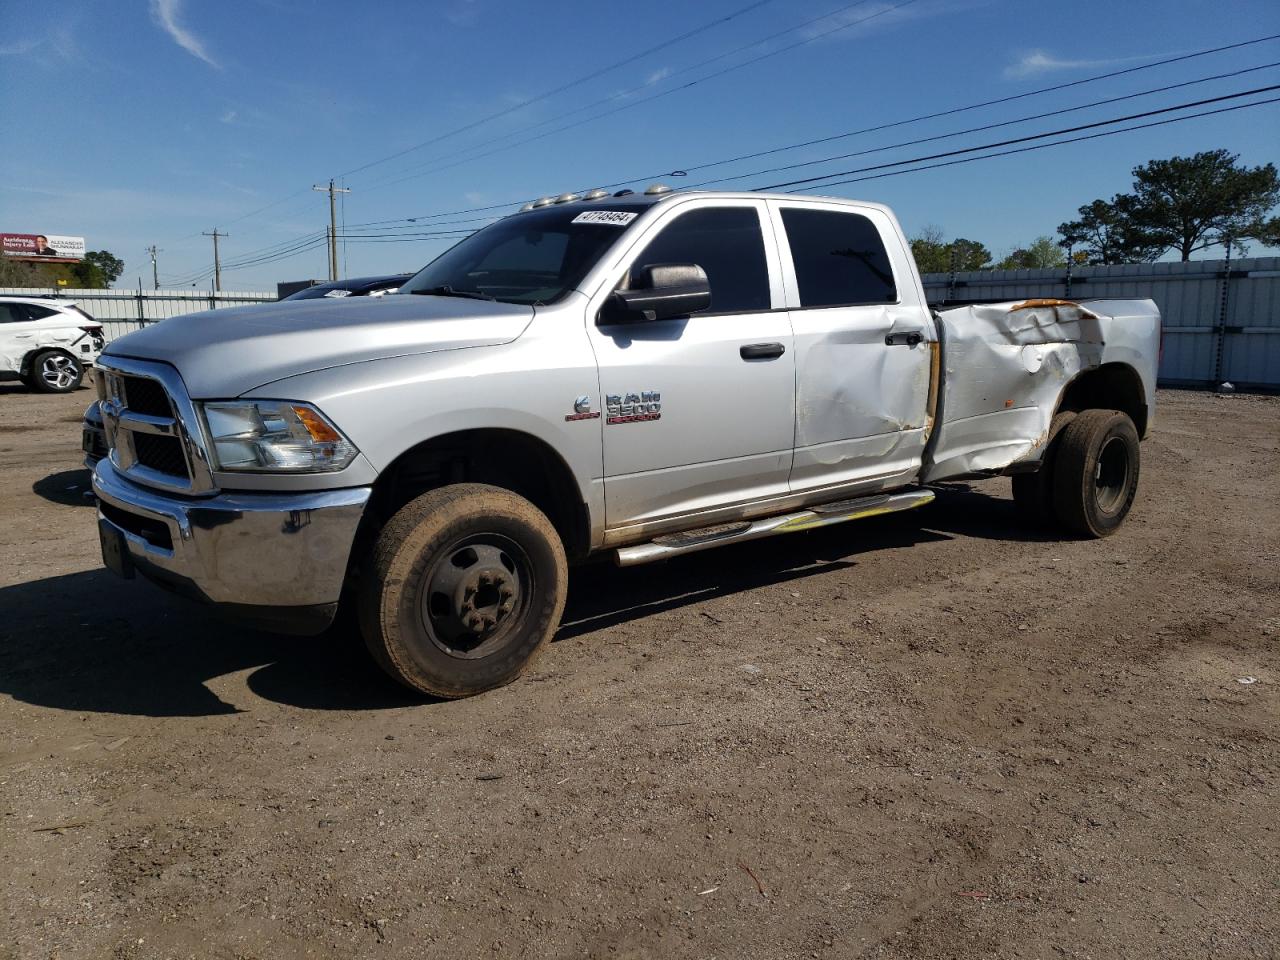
(933, 255)
(1042, 253)
(15, 273)
(1185, 204)
(98, 269)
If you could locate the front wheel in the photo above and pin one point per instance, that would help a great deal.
(464, 586)
(55, 372)
(1095, 472)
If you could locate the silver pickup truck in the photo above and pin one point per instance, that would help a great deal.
(631, 375)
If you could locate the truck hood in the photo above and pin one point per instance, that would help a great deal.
(224, 353)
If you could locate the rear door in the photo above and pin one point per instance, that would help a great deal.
(699, 411)
(864, 346)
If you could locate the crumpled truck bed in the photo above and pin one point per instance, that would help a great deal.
(1006, 366)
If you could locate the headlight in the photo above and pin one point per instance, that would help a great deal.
(268, 436)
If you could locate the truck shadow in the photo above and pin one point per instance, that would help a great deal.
(71, 488)
(91, 642)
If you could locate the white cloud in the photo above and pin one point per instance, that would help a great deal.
(229, 117)
(657, 76)
(1036, 62)
(19, 48)
(166, 13)
(462, 13)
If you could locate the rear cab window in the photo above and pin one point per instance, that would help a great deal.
(839, 258)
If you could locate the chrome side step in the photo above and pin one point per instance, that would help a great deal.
(824, 515)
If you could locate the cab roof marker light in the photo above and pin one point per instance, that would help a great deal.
(595, 194)
(566, 198)
(542, 202)
(526, 208)
(655, 189)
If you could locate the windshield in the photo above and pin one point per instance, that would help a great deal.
(534, 257)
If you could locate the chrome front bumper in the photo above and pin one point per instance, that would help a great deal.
(276, 558)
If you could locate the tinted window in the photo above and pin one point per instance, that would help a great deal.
(839, 258)
(39, 313)
(12, 313)
(534, 257)
(726, 243)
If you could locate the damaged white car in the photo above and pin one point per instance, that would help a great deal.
(47, 343)
(635, 376)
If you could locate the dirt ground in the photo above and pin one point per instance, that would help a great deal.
(923, 736)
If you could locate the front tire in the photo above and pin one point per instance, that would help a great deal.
(464, 586)
(55, 372)
(1095, 474)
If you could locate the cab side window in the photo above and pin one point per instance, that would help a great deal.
(727, 243)
(839, 258)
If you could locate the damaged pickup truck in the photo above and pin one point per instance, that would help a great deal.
(631, 375)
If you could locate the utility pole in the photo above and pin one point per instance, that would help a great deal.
(333, 225)
(217, 264)
(155, 273)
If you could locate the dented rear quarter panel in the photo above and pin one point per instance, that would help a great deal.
(1007, 365)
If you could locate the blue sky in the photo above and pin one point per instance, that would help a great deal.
(150, 121)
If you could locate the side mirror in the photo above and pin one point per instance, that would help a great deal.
(660, 291)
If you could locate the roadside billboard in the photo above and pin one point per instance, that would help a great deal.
(40, 246)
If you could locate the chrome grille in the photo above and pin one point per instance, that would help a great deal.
(160, 453)
(146, 396)
(150, 425)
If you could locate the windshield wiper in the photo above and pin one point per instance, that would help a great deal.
(444, 290)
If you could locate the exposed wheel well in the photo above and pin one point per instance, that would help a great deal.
(1112, 386)
(509, 459)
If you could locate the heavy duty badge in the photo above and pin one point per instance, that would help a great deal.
(633, 407)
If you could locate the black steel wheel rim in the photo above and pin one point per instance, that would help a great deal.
(1111, 480)
(475, 594)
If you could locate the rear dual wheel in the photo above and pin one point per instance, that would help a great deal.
(464, 586)
(1089, 476)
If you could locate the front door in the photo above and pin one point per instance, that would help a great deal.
(699, 410)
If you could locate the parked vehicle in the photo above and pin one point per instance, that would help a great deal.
(639, 376)
(47, 343)
(93, 436)
(354, 287)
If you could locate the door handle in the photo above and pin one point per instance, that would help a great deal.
(761, 351)
(903, 339)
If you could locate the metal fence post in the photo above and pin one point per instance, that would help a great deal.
(951, 273)
(142, 313)
(1220, 331)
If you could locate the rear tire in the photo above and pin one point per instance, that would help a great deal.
(464, 586)
(1095, 475)
(1033, 492)
(55, 372)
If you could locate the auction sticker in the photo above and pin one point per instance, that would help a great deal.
(616, 218)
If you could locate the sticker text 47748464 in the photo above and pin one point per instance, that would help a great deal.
(614, 218)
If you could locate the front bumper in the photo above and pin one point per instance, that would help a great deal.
(276, 559)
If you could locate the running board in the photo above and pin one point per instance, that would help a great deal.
(691, 541)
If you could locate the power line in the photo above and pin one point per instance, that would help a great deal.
(1026, 139)
(873, 129)
(563, 87)
(988, 126)
(1039, 146)
(964, 109)
(657, 96)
